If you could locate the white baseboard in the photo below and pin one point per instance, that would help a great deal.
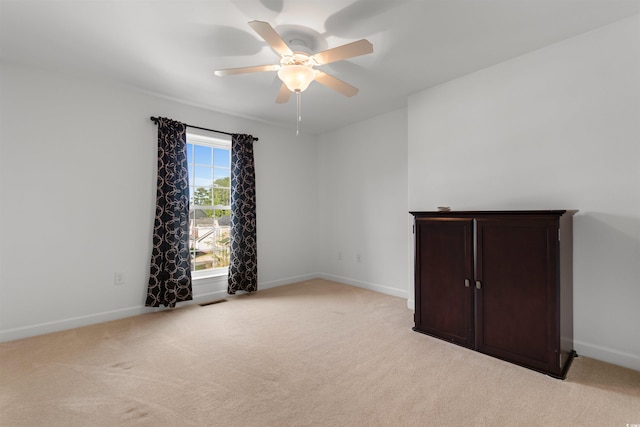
(204, 290)
(594, 351)
(207, 291)
(70, 323)
(365, 285)
(609, 355)
(411, 304)
(287, 281)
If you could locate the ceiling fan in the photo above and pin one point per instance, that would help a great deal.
(296, 68)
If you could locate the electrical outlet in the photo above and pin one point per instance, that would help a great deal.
(118, 278)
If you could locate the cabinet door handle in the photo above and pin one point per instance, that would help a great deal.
(478, 284)
(466, 283)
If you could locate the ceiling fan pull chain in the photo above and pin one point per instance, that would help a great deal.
(299, 108)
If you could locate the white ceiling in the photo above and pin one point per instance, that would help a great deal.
(172, 47)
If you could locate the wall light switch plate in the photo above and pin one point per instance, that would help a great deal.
(118, 278)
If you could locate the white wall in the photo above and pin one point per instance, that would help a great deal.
(555, 129)
(363, 204)
(77, 186)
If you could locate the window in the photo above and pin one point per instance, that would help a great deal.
(210, 199)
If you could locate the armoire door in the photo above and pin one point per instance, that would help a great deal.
(444, 269)
(516, 292)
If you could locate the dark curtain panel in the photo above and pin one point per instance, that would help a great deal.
(243, 265)
(170, 271)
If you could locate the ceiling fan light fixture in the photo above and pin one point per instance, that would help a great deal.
(296, 77)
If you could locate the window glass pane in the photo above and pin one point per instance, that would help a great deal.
(202, 196)
(224, 217)
(202, 176)
(221, 177)
(203, 155)
(191, 176)
(221, 254)
(221, 197)
(221, 157)
(190, 153)
(202, 241)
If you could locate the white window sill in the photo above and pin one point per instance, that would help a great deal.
(209, 276)
(210, 285)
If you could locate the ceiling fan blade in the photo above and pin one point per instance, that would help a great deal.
(244, 70)
(270, 35)
(283, 95)
(349, 50)
(335, 83)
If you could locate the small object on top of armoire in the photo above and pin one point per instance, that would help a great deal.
(498, 282)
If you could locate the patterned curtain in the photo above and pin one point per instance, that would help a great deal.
(243, 264)
(170, 272)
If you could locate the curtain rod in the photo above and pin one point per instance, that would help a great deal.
(155, 120)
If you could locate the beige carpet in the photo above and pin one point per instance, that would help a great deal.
(312, 353)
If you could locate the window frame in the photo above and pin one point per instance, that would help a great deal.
(206, 139)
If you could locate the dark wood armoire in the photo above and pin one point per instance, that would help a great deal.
(499, 282)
